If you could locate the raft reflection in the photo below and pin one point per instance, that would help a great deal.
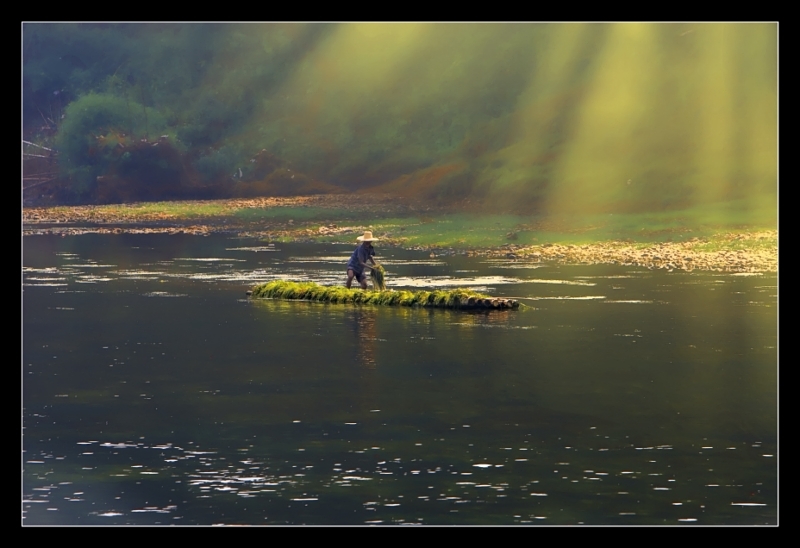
(366, 334)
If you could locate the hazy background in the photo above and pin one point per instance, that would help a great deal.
(550, 118)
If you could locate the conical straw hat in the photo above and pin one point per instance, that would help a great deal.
(367, 237)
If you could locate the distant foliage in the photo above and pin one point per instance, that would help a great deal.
(223, 163)
(99, 130)
(584, 117)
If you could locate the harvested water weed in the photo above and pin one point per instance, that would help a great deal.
(460, 299)
(378, 276)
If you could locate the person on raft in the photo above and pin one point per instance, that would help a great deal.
(358, 261)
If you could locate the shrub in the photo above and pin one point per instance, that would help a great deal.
(96, 130)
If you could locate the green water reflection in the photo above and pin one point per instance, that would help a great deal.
(154, 392)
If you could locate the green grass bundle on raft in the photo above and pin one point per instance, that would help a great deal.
(378, 276)
(309, 291)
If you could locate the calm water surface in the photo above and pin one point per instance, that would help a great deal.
(154, 392)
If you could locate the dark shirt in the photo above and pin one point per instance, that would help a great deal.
(360, 255)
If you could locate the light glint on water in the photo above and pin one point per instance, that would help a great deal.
(211, 397)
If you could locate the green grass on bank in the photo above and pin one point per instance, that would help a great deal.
(463, 230)
(304, 214)
(177, 210)
(460, 230)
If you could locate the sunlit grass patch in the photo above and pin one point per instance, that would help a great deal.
(176, 210)
(459, 230)
(473, 231)
(296, 214)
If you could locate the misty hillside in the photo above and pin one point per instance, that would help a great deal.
(522, 117)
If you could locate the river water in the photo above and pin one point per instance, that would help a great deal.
(155, 392)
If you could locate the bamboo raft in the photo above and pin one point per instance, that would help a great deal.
(457, 299)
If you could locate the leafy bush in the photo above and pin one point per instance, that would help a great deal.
(96, 130)
(221, 164)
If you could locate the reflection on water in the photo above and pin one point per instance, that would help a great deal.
(154, 392)
(366, 336)
(494, 319)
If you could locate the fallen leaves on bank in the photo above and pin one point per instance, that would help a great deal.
(667, 256)
(759, 253)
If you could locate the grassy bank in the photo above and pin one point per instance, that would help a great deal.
(734, 235)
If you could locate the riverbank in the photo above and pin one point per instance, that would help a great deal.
(676, 241)
(696, 254)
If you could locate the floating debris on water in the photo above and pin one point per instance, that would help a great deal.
(254, 248)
